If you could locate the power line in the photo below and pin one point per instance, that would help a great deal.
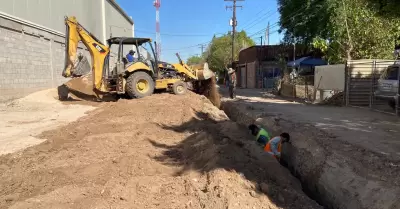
(187, 47)
(169, 34)
(254, 16)
(273, 25)
(256, 19)
(276, 24)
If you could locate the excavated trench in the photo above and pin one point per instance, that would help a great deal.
(245, 118)
(327, 177)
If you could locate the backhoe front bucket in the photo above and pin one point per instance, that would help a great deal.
(206, 84)
(205, 73)
(77, 88)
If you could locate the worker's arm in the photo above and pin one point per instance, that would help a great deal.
(274, 145)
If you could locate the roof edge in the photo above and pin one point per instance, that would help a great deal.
(120, 10)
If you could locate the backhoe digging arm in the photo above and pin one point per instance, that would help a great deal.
(98, 52)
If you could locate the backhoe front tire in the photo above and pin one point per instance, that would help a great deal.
(139, 85)
(179, 88)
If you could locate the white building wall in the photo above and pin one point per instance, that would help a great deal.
(330, 77)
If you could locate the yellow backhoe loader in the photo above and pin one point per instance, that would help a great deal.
(136, 79)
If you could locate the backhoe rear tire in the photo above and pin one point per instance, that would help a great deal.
(139, 85)
(179, 88)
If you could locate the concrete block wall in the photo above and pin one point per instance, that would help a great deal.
(30, 59)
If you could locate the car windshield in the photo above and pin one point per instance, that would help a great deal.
(392, 73)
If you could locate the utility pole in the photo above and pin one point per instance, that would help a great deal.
(234, 24)
(267, 35)
(261, 40)
(294, 48)
(294, 43)
(202, 49)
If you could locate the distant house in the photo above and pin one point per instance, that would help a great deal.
(259, 66)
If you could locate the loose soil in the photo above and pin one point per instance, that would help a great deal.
(162, 151)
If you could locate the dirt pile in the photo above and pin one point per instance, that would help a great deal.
(162, 151)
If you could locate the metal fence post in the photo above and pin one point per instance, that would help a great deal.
(347, 72)
(398, 94)
(371, 91)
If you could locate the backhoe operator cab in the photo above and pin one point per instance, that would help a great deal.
(143, 47)
(138, 78)
(141, 77)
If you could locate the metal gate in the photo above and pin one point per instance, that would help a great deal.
(363, 85)
(269, 77)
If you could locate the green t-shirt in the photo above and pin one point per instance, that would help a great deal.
(262, 136)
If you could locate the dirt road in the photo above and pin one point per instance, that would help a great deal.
(162, 151)
(346, 157)
(23, 119)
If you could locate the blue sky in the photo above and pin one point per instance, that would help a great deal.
(184, 24)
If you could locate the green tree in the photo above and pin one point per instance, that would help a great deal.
(219, 54)
(343, 29)
(193, 60)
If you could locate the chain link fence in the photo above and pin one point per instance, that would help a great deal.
(372, 84)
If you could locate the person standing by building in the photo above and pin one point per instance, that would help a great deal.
(232, 83)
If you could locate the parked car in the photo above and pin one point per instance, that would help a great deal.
(388, 85)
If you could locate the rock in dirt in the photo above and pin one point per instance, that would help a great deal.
(253, 193)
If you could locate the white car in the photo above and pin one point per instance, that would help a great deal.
(388, 85)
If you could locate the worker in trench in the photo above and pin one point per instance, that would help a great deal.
(271, 146)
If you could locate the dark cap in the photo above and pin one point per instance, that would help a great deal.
(285, 136)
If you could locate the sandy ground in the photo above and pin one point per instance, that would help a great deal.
(349, 157)
(162, 151)
(23, 119)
